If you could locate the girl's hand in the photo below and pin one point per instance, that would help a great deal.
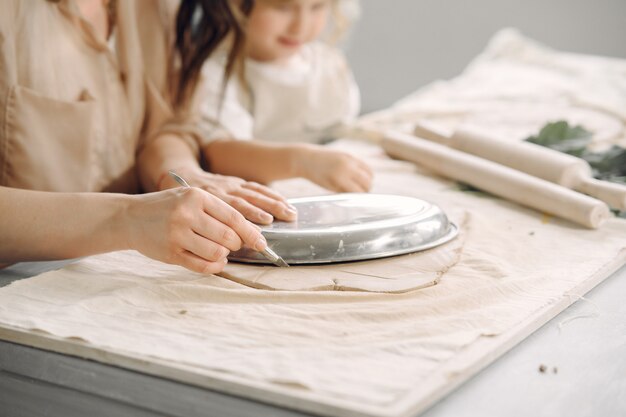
(256, 202)
(188, 227)
(334, 170)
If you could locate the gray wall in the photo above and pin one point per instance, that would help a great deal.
(400, 45)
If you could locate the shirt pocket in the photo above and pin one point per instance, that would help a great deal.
(47, 142)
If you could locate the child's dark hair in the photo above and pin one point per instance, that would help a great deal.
(201, 26)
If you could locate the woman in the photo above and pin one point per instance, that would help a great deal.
(78, 116)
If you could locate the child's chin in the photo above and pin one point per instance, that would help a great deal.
(278, 54)
(287, 53)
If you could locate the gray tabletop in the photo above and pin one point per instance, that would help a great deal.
(573, 366)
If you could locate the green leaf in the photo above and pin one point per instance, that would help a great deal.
(560, 136)
(609, 165)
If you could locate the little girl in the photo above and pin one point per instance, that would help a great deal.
(290, 92)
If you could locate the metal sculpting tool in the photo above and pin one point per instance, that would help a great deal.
(269, 254)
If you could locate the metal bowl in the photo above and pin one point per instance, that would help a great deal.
(354, 227)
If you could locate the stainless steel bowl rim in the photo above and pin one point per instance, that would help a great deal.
(354, 227)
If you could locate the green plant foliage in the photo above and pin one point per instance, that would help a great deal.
(562, 137)
(609, 165)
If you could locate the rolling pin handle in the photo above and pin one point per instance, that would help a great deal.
(611, 193)
(433, 132)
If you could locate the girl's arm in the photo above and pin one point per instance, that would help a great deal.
(265, 162)
(183, 226)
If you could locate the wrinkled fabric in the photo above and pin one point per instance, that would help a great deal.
(364, 350)
(515, 87)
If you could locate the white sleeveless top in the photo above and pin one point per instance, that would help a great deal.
(302, 100)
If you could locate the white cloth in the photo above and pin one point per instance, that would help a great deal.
(301, 100)
(356, 351)
(518, 85)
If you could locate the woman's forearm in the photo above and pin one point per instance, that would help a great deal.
(162, 154)
(182, 226)
(40, 225)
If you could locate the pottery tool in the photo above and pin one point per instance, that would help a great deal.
(268, 253)
(497, 179)
(548, 164)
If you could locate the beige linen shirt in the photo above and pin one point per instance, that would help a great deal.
(73, 111)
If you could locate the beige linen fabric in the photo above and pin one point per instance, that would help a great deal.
(333, 350)
(515, 87)
(72, 111)
(342, 353)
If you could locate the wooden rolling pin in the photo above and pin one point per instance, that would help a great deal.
(497, 179)
(536, 160)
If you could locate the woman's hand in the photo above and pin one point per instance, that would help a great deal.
(188, 227)
(334, 170)
(256, 202)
